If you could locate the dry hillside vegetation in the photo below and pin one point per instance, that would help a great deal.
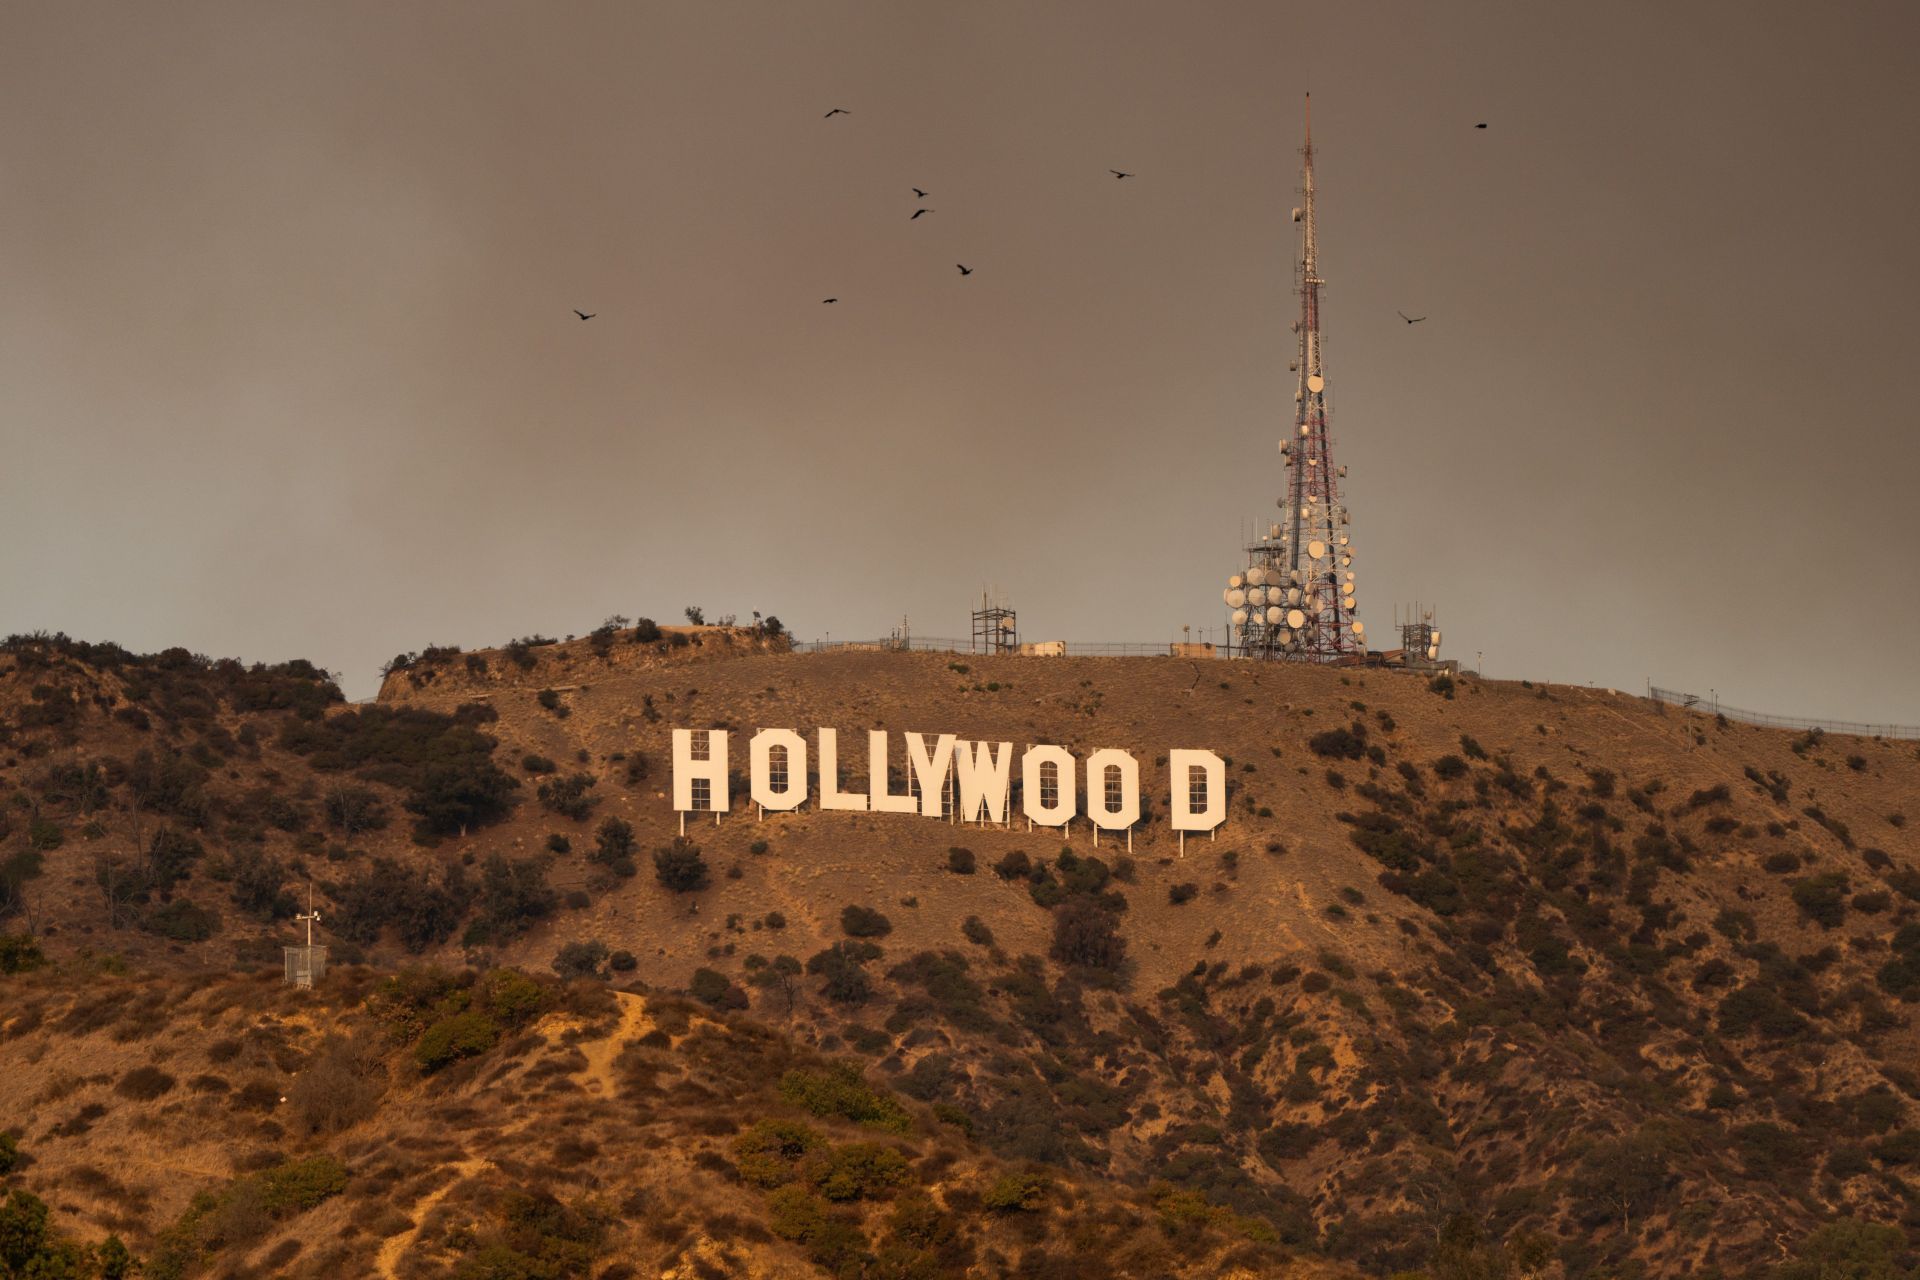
(1478, 979)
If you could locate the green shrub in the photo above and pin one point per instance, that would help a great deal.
(768, 1154)
(300, 1185)
(1823, 898)
(1450, 767)
(839, 1090)
(461, 1035)
(580, 959)
(833, 1242)
(1085, 933)
(714, 989)
(353, 809)
(1180, 893)
(9, 1153)
(1340, 744)
(19, 953)
(568, 796)
(1848, 1250)
(1018, 1191)
(680, 867)
(1014, 865)
(144, 1083)
(533, 763)
(864, 922)
(960, 861)
(860, 1171)
(614, 846)
(183, 921)
(843, 966)
(975, 930)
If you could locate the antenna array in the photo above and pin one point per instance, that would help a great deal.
(1295, 600)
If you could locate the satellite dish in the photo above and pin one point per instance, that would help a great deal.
(1226, 596)
(1296, 400)
(1316, 383)
(1296, 215)
(1343, 473)
(1286, 447)
(1286, 637)
(1293, 595)
(1239, 617)
(1303, 426)
(1296, 619)
(1294, 574)
(1316, 548)
(1433, 652)
(1235, 580)
(1236, 597)
(1006, 624)
(1293, 366)
(1343, 539)
(1256, 596)
(1346, 560)
(1273, 531)
(1257, 576)
(1349, 575)
(1274, 614)
(1436, 636)
(1359, 627)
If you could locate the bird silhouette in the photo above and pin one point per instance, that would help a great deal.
(583, 315)
(1481, 125)
(837, 111)
(918, 212)
(826, 300)
(1117, 174)
(1409, 319)
(918, 194)
(964, 269)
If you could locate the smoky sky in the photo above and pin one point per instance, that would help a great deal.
(289, 365)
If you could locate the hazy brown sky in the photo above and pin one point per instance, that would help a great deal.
(288, 364)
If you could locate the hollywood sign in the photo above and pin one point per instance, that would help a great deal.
(947, 778)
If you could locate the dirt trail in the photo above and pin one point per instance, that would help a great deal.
(601, 1053)
(392, 1248)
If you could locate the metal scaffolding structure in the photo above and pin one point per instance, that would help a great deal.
(996, 628)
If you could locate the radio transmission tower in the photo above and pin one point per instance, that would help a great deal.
(1295, 599)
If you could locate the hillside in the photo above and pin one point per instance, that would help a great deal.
(1546, 979)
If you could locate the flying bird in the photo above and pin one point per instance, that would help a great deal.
(1117, 174)
(1409, 319)
(837, 111)
(1481, 125)
(918, 194)
(583, 315)
(826, 300)
(918, 212)
(964, 269)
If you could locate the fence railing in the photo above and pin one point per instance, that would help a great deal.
(1710, 706)
(941, 644)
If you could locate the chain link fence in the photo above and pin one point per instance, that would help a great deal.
(937, 644)
(1710, 706)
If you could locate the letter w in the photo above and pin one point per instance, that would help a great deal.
(983, 773)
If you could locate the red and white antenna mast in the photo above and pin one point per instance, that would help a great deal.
(1295, 601)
